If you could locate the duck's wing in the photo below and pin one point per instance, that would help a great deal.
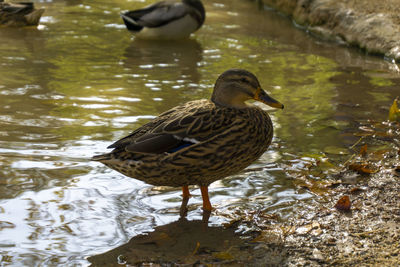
(17, 8)
(175, 129)
(158, 14)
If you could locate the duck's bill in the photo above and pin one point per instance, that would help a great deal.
(263, 97)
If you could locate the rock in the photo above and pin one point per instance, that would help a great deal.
(316, 254)
(371, 25)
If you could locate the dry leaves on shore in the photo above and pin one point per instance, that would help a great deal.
(343, 204)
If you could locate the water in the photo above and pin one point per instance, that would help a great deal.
(80, 81)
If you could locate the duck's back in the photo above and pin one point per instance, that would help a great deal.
(166, 19)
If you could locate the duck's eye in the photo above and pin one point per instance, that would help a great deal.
(244, 80)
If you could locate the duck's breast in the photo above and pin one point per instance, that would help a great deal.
(177, 29)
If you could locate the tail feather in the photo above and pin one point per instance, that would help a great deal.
(102, 157)
(130, 23)
(34, 17)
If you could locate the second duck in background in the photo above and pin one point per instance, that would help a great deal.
(19, 14)
(166, 19)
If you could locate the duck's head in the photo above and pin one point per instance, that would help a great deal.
(235, 86)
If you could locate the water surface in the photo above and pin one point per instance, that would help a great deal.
(80, 81)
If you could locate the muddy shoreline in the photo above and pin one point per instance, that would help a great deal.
(372, 26)
(366, 235)
(319, 234)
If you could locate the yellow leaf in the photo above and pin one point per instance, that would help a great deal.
(196, 248)
(394, 111)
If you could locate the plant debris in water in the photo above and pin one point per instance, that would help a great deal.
(363, 227)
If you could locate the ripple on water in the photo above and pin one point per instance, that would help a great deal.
(70, 90)
(128, 99)
(132, 119)
(20, 90)
(91, 99)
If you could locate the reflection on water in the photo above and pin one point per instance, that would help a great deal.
(183, 242)
(172, 60)
(80, 80)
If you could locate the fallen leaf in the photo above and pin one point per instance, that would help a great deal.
(361, 168)
(394, 111)
(356, 190)
(343, 204)
(196, 248)
(318, 187)
(363, 150)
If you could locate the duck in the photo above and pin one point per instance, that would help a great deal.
(201, 141)
(168, 20)
(19, 14)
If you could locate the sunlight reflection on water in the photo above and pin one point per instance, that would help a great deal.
(80, 81)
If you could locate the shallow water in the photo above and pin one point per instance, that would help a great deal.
(80, 80)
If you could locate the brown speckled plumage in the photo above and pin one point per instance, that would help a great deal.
(201, 141)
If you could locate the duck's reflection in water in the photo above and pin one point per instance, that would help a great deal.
(182, 241)
(179, 57)
(194, 242)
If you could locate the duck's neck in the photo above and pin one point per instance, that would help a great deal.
(223, 95)
(198, 6)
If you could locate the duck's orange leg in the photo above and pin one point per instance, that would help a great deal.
(206, 200)
(185, 199)
(185, 191)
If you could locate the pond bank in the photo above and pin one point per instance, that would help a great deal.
(371, 25)
(365, 235)
(319, 234)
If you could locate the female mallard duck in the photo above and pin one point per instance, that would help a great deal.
(19, 14)
(166, 19)
(201, 141)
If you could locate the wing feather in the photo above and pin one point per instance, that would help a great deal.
(194, 122)
(158, 14)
